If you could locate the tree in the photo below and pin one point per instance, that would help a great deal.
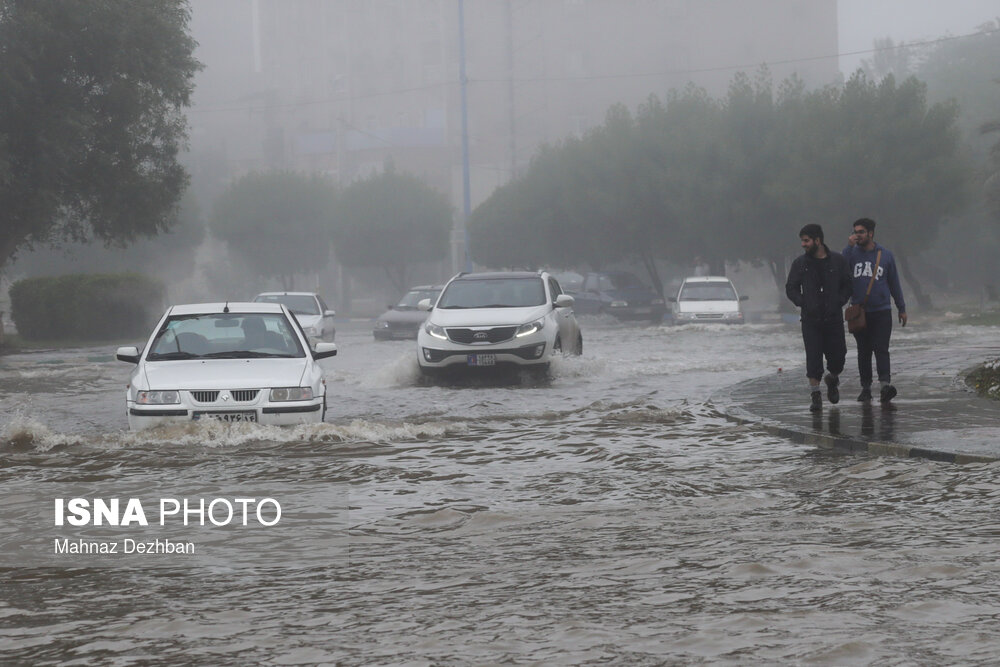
(91, 119)
(166, 256)
(392, 220)
(277, 222)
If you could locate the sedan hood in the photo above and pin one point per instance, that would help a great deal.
(634, 294)
(308, 320)
(708, 306)
(407, 316)
(487, 317)
(225, 373)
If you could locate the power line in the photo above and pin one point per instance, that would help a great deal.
(660, 73)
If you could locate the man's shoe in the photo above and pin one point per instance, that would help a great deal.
(866, 395)
(887, 394)
(817, 402)
(832, 388)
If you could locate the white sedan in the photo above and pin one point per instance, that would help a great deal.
(511, 319)
(234, 362)
(309, 309)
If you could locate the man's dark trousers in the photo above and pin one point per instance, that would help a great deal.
(825, 338)
(875, 338)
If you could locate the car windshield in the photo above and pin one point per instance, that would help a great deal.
(415, 296)
(707, 292)
(300, 304)
(493, 293)
(225, 336)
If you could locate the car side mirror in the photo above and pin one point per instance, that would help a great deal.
(329, 313)
(424, 304)
(564, 301)
(129, 353)
(324, 350)
(744, 297)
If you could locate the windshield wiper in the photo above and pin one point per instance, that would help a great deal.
(243, 354)
(171, 356)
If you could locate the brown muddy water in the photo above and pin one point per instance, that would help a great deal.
(608, 516)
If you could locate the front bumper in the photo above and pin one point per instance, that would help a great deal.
(709, 318)
(291, 413)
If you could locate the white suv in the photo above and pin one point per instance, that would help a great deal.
(486, 320)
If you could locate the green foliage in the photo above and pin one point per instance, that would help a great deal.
(91, 119)
(732, 179)
(86, 307)
(391, 220)
(170, 255)
(985, 379)
(277, 223)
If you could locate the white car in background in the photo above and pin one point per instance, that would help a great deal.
(309, 309)
(234, 362)
(483, 321)
(708, 299)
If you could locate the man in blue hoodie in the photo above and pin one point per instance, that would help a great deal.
(862, 254)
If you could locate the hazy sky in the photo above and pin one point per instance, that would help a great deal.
(863, 21)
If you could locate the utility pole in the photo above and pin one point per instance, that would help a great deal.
(510, 89)
(466, 197)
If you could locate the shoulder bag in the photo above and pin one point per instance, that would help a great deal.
(855, 314)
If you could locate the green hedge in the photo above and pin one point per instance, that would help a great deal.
(86, 306)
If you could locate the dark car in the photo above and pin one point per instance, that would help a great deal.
(618, 293)
(403, 320)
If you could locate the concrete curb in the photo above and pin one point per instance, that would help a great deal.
(844, 444)
(853, 446)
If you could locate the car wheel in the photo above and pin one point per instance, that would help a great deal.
(579, 344)
(557, 345)
(322, 416)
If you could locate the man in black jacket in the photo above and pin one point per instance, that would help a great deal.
(819, 283)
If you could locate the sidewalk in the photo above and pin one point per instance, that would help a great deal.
(934, 416)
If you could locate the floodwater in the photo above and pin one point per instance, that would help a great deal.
(608, 516)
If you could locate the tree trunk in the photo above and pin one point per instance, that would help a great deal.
(923, 299)
(654, 275)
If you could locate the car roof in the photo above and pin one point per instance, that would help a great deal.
(235, 307)
(424, 287)
(498, 275)
(286, 294)
(707, 279)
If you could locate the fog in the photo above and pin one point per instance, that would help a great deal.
(339, 87)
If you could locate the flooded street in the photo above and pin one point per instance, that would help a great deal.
(609, 516)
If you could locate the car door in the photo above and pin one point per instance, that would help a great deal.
(327, 318)
(566, 319)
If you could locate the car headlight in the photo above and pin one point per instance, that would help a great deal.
(529, 328)
(291, 393)
(381, 324)
(436, 330)
(312, 331)
(168, 397)
(619, 304)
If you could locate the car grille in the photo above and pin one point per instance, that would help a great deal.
(212, 395)
(709, 316)
(469, 336)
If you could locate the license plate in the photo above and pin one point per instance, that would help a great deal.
(484, 359)
(243, 416)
